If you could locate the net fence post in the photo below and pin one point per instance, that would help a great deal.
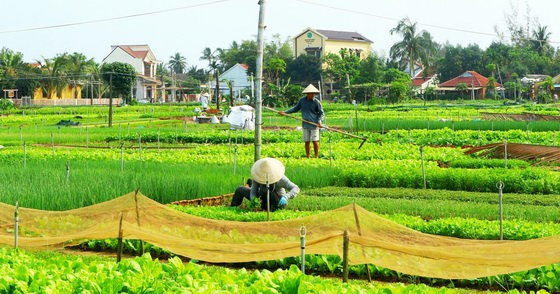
(345, 245)
(267, 199)
(119, 239)
(302, 233)
(138, 218)
(500, 186)
(16, 225)
(360, 234)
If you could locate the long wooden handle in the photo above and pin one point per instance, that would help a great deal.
(315, 124)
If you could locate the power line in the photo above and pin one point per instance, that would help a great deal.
(110, 19)
(423, 24)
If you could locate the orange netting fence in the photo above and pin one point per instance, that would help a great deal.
(372, 239)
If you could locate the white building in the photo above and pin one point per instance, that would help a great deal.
(145, 63)
(238, 75)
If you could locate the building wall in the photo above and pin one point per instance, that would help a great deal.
(334, 46)
(118, 55)
(67, 93)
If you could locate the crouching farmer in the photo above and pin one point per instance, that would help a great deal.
(280, 188)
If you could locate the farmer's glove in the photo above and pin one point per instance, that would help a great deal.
(283, 202)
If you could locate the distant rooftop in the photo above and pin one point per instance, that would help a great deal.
(344, 36)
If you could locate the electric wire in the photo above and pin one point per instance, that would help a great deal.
(423, 24)
(110, 19)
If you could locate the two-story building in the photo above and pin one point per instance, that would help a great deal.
(321, 42)
(145, 63)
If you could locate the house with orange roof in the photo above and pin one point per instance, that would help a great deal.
(422, 81)
(477, 84)
(144, 61)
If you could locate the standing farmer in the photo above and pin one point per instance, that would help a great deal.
(311, 111)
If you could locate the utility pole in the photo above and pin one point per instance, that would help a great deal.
(111, 100)
(258, 104)
(217, 72)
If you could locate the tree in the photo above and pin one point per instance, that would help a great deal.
(79, 67)
(304, 69)
(462, 88)
(342, 67)
(415, 46)
(398, 90)
(213, 64)
(274, 69)
(54, 75)
(540, 41)
(120, 77)
(197, 73)
(177, 63)
(491, 86)
(15, 73)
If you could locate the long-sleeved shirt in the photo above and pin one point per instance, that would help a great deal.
(280, 188)
(311, 110)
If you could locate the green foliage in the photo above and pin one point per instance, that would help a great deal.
(120, 76)
(6, 104)
(398, 91)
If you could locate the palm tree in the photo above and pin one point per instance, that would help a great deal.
(177, 63)
(12, 67)
(79, 67)
(415, 46)
(54, 75)
(213, 64)
(462, 88)
(541, 40)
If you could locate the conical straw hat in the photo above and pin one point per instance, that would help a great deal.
(310, 89)
(267, 167)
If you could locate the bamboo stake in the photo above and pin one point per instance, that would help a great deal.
(345, 245)
(120, 244)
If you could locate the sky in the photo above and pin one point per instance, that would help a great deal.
(43, 29)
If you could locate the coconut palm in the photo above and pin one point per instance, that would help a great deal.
(178, 63)
(214, 65)
(415, 46)
(80, 68)
(541, 40)
(55, 77)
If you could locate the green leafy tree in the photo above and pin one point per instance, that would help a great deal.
(198, 74)
(120, 77)
(398, 91)
(394, 74)
(17, 74)
(462, 88)
(491, 86)
(274, 69)
(370, 70)
(304, 69)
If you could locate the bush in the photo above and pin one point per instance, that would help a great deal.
(6, 104)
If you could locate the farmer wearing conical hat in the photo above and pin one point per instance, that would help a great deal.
(204, 101)
(267, 172)
(311, 111)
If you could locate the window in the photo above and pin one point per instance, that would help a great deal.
(313, 51)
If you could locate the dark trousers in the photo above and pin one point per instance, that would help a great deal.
(245, 192)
